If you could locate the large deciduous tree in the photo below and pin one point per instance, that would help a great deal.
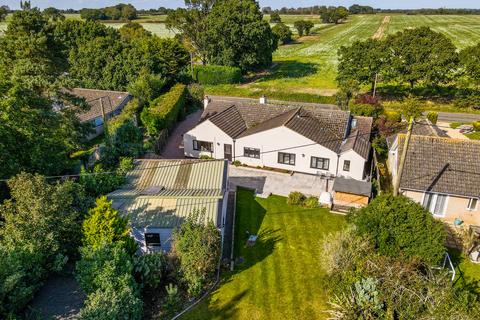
(470, 61)
(362, 62)
(192, 24)
(421, 55)
(238, 36)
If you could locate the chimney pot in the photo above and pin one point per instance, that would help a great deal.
(263, 99)
(206, 101)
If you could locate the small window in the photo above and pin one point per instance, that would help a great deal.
(472, 204)
(152, 239)
(202, 146)
(346, 165)
(251, 153)
(286, 158)
(320, 163)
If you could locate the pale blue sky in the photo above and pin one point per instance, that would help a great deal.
(146, 4)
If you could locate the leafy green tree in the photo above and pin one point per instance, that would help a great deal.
(110, 304)
(132, 30)
(197, 244)
(470, 61)
(38, 230)
(108, 265)
(92, 14)
(411, 108)
(421, 55)
(192, 24)
(275, 17)
(308, 25)
(33, 137)
(300, 26)
(151, 269)
(3, 12)
(238, 36)
(105, 225)
(53, 13)
(29, 55)
(147, 87)
(398, 226)
(362, 62)
(282, 32)
(333, 14)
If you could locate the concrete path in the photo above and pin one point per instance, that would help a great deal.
(452, 133)
(227, 99)
(174, 147)
(269, 182)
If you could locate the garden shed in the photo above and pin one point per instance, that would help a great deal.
(160, 194)
(351, 193)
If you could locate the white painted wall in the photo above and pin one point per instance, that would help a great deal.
(165, 237)
(270, 143)
(357, 165)
(282, 139)
(206, 131)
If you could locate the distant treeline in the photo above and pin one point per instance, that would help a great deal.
(359, 9)
(119, 12)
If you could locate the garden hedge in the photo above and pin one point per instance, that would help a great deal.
(214, 74)
(163, 112)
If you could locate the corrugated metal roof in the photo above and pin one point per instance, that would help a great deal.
(162, 193)
(165, 212)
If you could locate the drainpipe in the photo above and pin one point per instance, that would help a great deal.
(338, 162)
(233, 151)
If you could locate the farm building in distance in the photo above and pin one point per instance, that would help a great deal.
(160, 194)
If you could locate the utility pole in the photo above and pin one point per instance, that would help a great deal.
(396, 185)
(105, 125)
(375, 84)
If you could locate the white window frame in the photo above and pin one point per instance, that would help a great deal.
(469, 206)
(434, 202)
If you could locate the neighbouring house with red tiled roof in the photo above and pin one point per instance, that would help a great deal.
(304, 139)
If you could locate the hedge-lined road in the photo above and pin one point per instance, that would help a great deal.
(458, 117)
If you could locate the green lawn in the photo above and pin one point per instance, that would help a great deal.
(474, 135)
(281, 276)
(467, 272)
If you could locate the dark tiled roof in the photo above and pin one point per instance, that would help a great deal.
(359, 137)
(274, 122)
(420, 128)
(319, 130)
(326, 127)
(112, 100)
(229, 121)
(442, 165)
(352, 186)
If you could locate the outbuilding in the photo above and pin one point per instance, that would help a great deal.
(160, 194)
(351, 193)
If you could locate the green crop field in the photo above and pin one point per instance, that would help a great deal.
(158, 29)
(308, 66)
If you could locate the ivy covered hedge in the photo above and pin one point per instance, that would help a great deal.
(213, 74)
(163, 112)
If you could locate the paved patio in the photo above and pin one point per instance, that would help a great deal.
(270, 182)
